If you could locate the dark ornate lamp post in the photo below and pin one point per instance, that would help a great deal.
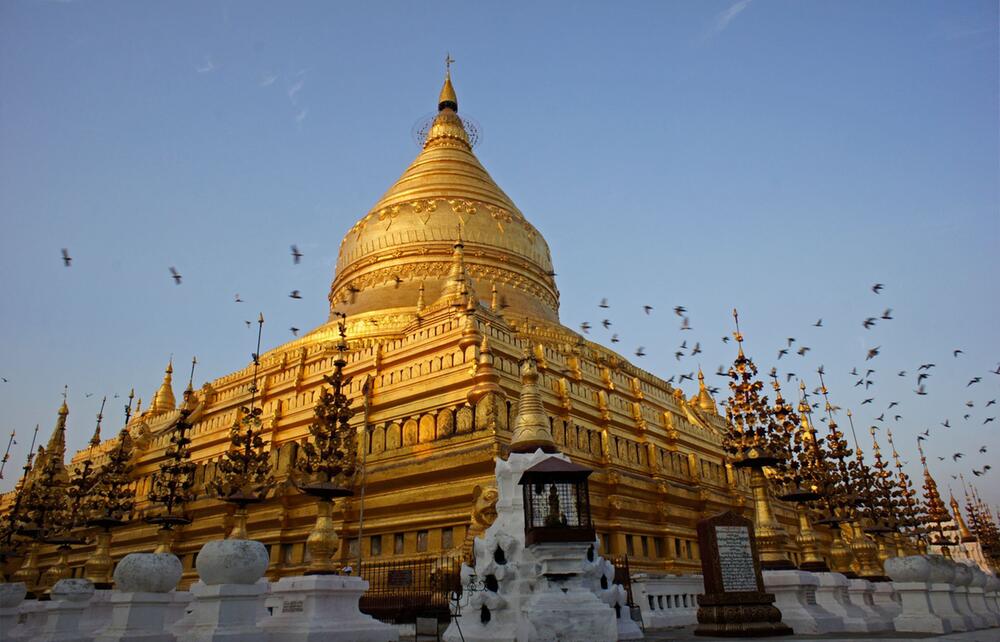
(171, 485)
(109, 503)
(326, 464)
(245, 470)
(757, 438)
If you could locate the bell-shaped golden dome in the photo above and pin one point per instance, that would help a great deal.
(407, 238)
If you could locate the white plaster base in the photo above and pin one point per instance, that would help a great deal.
(886, 601)
(795, 596)
(323, 608)
(976, 621)
(832, 595)
(179, 607)
(225, 612)
(861, 593)
(64, 612)
(98, 613)
(576, 614)
(30, 617)
(917, 615)
(137, 617)
(943, 603)
(628, 629)
(977, 600)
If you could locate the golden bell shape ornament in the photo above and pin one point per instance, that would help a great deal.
(239, 530)
(164, 540)
(809, 543)
(865, 554)
(322, 541)
(841, 556)
(772, 539)
(28, 573)
(58, 571)
(99, 564)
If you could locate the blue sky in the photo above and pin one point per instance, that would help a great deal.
(778, 157)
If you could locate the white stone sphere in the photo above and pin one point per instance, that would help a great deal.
(12, 594)
(73, 590)
(963, 575)
(942, 571)
(148, 573)
(232, 561)
(913, 568)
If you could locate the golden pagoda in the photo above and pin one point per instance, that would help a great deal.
(452, 316)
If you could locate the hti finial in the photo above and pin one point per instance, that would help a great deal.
(448, 99)
(447, 64)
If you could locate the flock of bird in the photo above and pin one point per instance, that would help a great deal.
(863, 376)
(179, 279)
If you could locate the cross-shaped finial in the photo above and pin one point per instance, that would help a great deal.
(447, 63)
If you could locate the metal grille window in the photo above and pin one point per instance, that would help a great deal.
(397, 544)
(447, 535)
(421, 541)
(376, 545)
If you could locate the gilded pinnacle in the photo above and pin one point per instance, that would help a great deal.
(531, 428)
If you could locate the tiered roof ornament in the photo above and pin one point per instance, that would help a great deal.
(163, 400)
(937, 513)
(531, 428)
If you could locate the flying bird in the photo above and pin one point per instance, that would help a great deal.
(696, 349)
(920, 390)
(680, 310)
(892, 404)
(946, 423)
(678, 355)
(957, 456)
(296, 255)
(926, 366)
(647, 309)
(295, 295)
(606, 323)
(988, 420)
(614, 338)
(67, 259)
(819, 324)
(868, 323)
(686, 324)
(956, 352)
(877, 288)
(887, 315)
(248, 323)
(585, 326)
(640, 352)
(396, 280)
(782, 353)
(873, 353)
(973, 380)
(295, 331)
(802, 351)
(725, 339)
(991, 402)
(982, 449)
(175, 275)
(238, 299)
(901, 373)
(603, 303)
(868, 400)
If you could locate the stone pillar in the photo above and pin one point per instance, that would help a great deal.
(229, 600)
(70, 598)
(98, 612)
(795, 596)
(324, 607)
(144, 595)
(977, 597)
(11, 597)
(831, 594)
(942, 595)
(886, 600)
(862, 594)
(963, 578)
(911, 580)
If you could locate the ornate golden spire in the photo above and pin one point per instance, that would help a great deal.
(486, 377)
(531, 429)
(705, 401)
(95, 441)
(163, 400)
(964, 534)
(458, 290)
(447, 99)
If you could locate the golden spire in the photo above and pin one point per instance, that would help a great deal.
(163, 400)
(57, 440)
(458, 288)
(95, 441)
(420, 299)
(486, 377)
(447, 99)
(705, 401)
(964, 534)
(531, 428)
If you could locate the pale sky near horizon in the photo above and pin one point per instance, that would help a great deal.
(779, 157)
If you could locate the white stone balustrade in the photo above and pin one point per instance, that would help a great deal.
(143, 600)
(862, 594)
(911, 577)
(667, 600)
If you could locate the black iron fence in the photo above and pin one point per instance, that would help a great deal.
(399, 591)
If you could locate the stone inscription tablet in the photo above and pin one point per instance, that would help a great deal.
(735, 558)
